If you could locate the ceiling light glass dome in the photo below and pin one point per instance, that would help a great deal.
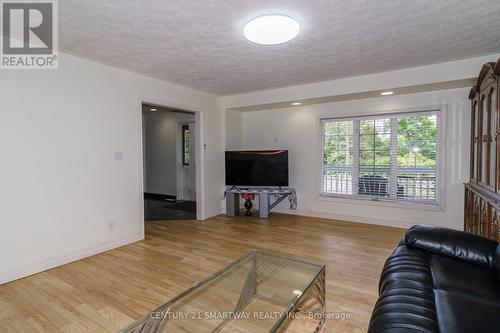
(271, 29)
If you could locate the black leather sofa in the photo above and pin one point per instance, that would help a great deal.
(439, 281)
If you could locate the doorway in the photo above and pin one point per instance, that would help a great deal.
(169, 163)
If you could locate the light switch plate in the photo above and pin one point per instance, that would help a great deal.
(118, 156)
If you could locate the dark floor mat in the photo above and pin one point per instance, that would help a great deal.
(160, 210)
(186, 206)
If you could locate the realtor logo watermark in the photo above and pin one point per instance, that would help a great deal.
(29, 34)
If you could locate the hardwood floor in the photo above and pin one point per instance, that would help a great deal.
(108, 291)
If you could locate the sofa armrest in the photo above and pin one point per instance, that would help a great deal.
(452, 243)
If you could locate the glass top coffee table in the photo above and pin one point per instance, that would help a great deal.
(260, 292)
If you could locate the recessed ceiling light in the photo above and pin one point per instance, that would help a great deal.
(271, 29)
(153, 110)
(296, 103)
(387, 93)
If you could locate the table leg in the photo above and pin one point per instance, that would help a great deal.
(264, 205)
(314, 301)
(232, 204)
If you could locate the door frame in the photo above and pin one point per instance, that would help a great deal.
(199, 149)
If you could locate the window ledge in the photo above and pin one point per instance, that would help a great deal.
(380, 203)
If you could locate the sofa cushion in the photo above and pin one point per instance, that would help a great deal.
(462, 277)
(406, 302)
(408, 264)
(439, 280)
(460, 313)
(452, 243)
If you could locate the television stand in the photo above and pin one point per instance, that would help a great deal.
(232, 196)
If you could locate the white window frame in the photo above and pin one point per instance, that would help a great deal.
(440, 162)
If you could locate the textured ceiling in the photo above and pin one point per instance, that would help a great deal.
(199, 43)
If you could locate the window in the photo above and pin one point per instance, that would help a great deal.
(387, 157)
(185, 144)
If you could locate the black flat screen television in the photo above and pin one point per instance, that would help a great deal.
(257, 168)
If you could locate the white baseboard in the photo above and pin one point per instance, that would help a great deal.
(349, 218)
(62, 260)
(213, 213)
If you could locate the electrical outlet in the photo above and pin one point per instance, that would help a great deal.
(118, 156)
(111, 226)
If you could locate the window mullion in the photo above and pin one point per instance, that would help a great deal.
(355, 157)
(437, 179)
(393, 172)
(322, 157)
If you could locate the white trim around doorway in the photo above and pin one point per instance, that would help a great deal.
(199, 150)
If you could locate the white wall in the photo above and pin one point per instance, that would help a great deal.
(160, 150)
(59, 131)
(234, 130)
(60, 185)
(296, 129)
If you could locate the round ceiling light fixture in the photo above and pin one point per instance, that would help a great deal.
(271, 29)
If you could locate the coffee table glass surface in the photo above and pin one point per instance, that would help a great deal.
(260, 292)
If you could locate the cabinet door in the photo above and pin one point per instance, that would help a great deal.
(475, 142)
(469, 210)
(493, 224)
(484, 146)
(495, 106)
(476, 214)
(492, 136)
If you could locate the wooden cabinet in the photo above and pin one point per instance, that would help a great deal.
(482, 192)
